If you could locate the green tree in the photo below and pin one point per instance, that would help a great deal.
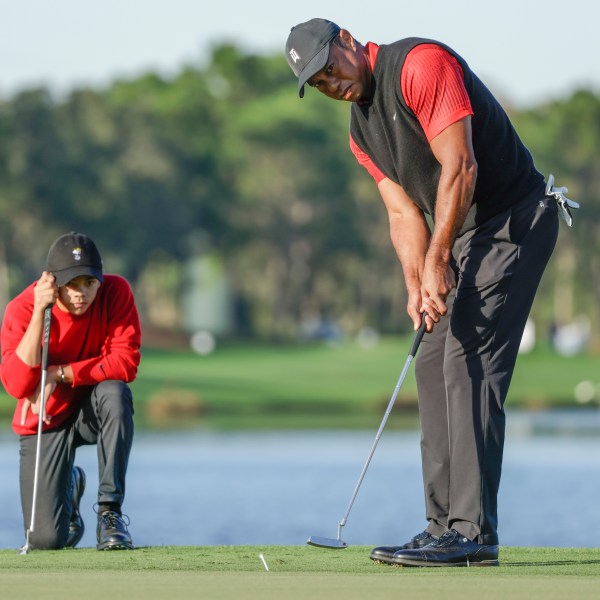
(564, 137)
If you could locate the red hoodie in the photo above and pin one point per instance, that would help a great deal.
(103, 343)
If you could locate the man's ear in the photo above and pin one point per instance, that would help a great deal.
(346, 39)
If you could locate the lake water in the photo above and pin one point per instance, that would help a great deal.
(259, 488)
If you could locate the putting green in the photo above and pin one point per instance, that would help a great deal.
(294, 572)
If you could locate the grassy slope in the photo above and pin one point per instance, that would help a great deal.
(338, 374)
(342, 386)
(295, 572)
(315, 385)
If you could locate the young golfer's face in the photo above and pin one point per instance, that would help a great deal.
(77, 296)
(347, 74)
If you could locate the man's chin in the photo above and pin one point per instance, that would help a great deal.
(78, 310)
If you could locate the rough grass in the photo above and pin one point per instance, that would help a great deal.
(294, 572)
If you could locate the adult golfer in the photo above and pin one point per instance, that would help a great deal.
(437, 142)
(93, 352)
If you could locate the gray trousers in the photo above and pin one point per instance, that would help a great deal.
(465, 365)
(105, 419)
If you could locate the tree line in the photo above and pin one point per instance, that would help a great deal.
(225, 161)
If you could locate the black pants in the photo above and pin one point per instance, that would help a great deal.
(105, 419)
(465, 365)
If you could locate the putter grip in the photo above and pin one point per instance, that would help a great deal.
(418, 337)
(46, 336)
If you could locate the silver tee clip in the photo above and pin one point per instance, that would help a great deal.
(562, 202)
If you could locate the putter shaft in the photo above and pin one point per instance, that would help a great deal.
(45, 342)
(376, 441)
(339, 543)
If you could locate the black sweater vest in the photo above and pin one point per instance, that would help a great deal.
(388, 131)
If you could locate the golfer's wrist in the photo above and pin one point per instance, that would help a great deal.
(59, 375)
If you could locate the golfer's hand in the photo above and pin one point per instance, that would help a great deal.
(33, 403)
(415, 302)
(45, 292)
(438, 280)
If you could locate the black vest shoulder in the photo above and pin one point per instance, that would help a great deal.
(389, 133)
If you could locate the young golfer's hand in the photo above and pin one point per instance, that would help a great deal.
(45, 292)
(33, 403)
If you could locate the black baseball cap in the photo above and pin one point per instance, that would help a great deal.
(73, 255)
(307, 48)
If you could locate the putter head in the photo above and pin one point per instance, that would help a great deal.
(322, 542)
(26, 547)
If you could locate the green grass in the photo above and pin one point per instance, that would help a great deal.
(295, 572)
(316, 385)
(324, 386)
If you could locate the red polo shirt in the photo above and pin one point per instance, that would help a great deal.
(433, 88)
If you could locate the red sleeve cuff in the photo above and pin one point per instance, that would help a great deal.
(437, 128)
(432, 83)
(364, 160)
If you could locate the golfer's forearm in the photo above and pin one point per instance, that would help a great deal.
(409, 230)
(454, 199)
(453, 149)
(410, 240)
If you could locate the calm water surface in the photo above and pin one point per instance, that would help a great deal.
(205, 488)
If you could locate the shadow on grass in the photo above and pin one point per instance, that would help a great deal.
(548, 563)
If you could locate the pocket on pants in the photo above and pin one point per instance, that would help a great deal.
(487, 255)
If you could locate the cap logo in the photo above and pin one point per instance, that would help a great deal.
(76, 254)
(294, 55)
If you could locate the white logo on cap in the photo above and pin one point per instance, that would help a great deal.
(77, 254)
(295, 56)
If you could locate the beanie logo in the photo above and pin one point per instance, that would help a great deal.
(295, 56)
(77, 254)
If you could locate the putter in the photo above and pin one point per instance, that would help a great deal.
(45, 342)
(338, 543)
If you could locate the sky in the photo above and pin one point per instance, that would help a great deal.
(527, 51)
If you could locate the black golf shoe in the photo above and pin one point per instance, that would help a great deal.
(112, 533)
(76, 526)
(386, 553)
(450, 550)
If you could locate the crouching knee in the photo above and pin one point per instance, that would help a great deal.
(114, 398)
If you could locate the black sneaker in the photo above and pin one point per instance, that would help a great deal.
(76, 526)
(386, 553)
(450, 550)
(112, 533)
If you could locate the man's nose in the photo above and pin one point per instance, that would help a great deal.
(333, 85)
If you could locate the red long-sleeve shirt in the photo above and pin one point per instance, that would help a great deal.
(103, 343)
(433, 87)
